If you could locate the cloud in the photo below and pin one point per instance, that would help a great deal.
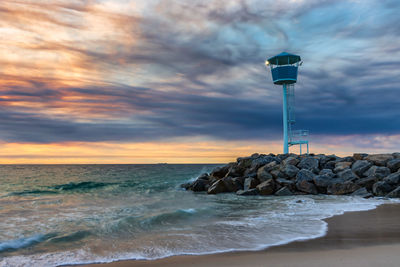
(112, 71)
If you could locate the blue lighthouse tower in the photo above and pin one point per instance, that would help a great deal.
(284, 69)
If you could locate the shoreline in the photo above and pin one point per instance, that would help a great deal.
(359, 238)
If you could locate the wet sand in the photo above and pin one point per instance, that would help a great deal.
(365, 238)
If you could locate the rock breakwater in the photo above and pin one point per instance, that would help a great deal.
(290, 174)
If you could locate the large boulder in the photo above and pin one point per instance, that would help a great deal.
(382, 188)
(262, 160)
(324, 160)
(278, 174)
(367, 182)
(394, 193)
(289, 170)
(393, 179)
(220, 172)
(250, 183)
(394, 165)
(235, 170)
(263, 174)
(329, 165)
(341, 166)
(239, 181)
(258, 162)
(362, 192)
(360, 166)
(304, 175)
(267, 187)
(347, 175)
(232, 184)
(286, 183)
(379, 159)
(322, 182)
(378, 172)
(345, 188)
(199, 185)
(396, 155)
(327, 172)
(359, 156)
(284, 191)
(245, 162)
(309, 163)
(250, 192)
(292, 160)
(306, 187)
(217, 187)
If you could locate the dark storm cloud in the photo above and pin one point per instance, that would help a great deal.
(204, 73)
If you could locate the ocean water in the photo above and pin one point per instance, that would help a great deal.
(69, 214)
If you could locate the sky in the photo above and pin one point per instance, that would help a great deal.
(179, 81)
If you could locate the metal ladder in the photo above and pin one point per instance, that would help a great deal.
(296, 137)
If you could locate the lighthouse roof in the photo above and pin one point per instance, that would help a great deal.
(284, 58)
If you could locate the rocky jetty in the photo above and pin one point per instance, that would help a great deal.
(290, 174)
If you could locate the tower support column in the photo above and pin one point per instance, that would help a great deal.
(285, 121)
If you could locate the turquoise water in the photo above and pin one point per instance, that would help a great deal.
(67, 214)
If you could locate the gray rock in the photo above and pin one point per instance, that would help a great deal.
(341, 166)
(378, 172)
(360, 166)
(271, 166)
(245, 162)
(261, 161)
(250, 183)
(362, 192)
(347, 187)
(306, 187)
(309, 163)
(329, 165)
(325, 159)
(393, 179)
(234, 171)
(347, 175)
(220, 172)
(304, 175)
(239, 180)
(322, 182)
(382, 188)
(204, 176)
(284, 191)
(367, 182)
(267, 187)
(289, 170)
(359, 156)
(258, 162)
(290, 161)
(327, 172)
(379, 159)
(263, 174)
(394, 164)
(217, 187)
(395, 193)
(396, 155)
(284, 182)
(278, 174)
(231, 185)
(250, 192)
(199, 185)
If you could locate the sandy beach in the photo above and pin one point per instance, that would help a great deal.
(365, 238)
